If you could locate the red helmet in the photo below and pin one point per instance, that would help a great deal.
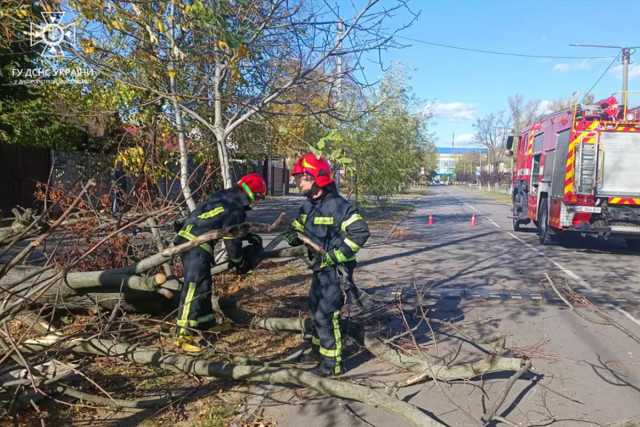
(316, 166)
(254, 186)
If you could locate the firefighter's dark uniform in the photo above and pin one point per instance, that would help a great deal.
(222, 209)
(334, 224)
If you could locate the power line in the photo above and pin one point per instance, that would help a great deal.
(493, 52)
(600, 78)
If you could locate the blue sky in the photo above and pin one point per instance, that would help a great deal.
(466, 85)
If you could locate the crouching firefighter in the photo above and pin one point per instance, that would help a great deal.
(333, 224)
(222, 209)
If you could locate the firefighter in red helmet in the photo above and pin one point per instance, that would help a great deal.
(335, 225)
(222, 209)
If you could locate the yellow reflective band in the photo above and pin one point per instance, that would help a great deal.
(229, 238)
(186, 235)
(296, 224)
(236, 260)
(328, 353)
(323, 220)
(191, 323)
(315, 341)
(188, 229)
(338, 338)
(351, 244)
(184, 319)
(303, 217)
(353, 218)
(211, 213)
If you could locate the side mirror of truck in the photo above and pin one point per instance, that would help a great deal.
(509, 142)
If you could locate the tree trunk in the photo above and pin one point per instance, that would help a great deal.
(184, 158)
(106, 289)
(221, 139)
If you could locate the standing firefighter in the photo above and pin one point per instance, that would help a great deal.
(222, 209)
(333, 224)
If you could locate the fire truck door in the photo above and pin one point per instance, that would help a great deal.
(560, 164)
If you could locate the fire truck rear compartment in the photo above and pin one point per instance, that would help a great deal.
(618, 172)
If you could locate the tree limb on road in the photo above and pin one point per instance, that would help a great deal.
(229, 371)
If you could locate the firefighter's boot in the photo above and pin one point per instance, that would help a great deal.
(188, 344)
(327, 368)
(312, 356)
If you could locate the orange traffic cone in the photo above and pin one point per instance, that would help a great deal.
(430, 220)
(473, 220)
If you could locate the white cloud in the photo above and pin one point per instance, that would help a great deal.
(544, 107)
(455, 111)
(582, 65)
(634, 71)
(465, 140)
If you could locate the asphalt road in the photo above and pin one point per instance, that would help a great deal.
(489, 280)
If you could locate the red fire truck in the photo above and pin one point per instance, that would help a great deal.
(579, 170)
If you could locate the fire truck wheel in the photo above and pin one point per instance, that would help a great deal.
(633, 244)
(543, 228)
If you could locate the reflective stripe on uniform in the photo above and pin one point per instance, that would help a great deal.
(211, 213)
(315, 340)
(185, 323)
(296, 224)
(323, 220)
(184, 319)
(337, 353)
(355, 248)
(186, 233)
(228, 238)
(303, 218)
(353, 218)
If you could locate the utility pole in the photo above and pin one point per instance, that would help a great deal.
(626, 60)
(336, 167)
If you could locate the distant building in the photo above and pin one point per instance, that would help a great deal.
(448, 157)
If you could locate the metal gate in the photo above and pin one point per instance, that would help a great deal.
(20, 168)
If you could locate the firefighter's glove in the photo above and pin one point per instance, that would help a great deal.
(328, 260)
(255, 240)
(291, 237)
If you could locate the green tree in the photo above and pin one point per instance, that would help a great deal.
(387, 147)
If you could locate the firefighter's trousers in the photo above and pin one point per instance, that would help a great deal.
(195, 310)
(325, 301)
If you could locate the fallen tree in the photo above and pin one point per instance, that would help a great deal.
(230, 371)
(153, 294)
